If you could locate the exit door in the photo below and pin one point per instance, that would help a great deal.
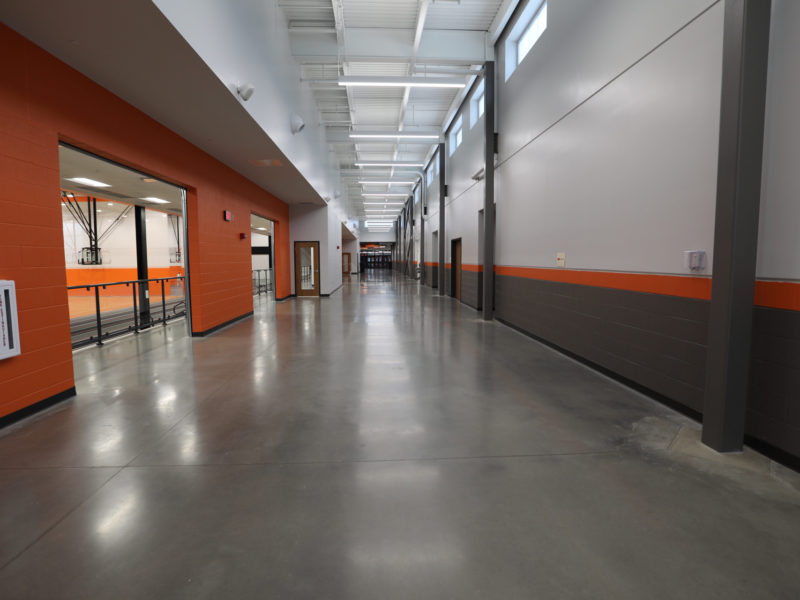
(306, 268)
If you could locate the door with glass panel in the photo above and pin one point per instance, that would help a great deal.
(306, 268)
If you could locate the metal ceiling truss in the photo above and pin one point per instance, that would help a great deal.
(332, 39)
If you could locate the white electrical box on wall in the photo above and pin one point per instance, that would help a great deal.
(694, 260)
(9, 323)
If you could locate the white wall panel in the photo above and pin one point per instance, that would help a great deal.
(585, 46)
(377, 236)
(779, 223)
(626, 181)
(247, 41)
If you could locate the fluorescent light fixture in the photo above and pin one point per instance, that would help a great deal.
(364, 163)
(365, 182)
(430, 82)
(155, 200)
(384, 203)
(261, 228)
(89, 182)
(395, 136)
(384, 195)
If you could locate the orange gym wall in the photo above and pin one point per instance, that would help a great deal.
(42, 101)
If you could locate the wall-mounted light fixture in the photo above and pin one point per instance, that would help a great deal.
(245, 91)
(297, 123)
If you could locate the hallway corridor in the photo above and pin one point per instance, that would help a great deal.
(383, 443)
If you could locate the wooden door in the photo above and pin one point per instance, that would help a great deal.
(345, 263)
(306, 268)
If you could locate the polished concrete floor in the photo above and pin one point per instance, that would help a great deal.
(383, 443)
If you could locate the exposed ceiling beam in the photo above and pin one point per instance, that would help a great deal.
(501, 19)
(362, 44)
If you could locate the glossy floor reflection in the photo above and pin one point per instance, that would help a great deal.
(381, 443)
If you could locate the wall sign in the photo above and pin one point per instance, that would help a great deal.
(9, 323)
(227, 215)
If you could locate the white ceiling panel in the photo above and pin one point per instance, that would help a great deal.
(379, 35)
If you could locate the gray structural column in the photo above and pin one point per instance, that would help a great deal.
(741, 139)
(442, 189)
(187, 279)
(141, 264)
(488, 197)
(422, 203)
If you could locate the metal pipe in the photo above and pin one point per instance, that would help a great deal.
(97, 310)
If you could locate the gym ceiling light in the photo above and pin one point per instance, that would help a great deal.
(89, 182)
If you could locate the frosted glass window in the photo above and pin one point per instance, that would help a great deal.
(532, 33)
(477, 105)
(456, 135)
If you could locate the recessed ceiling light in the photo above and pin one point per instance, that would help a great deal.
(394, 136)
(384, 195)
(365, 182)
(388, 164)
(149, 179)
(431, 82)
(383, 203)
(89, 182)
(261, 228)
(155, 200)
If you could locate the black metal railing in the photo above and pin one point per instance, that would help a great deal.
(106, 324)
(262, 281)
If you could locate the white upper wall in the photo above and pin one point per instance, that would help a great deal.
(779, 222)
(608, 138)
(247, 41)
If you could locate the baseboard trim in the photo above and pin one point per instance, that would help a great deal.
(673, 404)
(221, 325)
(787, 459)
(38, 407)
(332, 293)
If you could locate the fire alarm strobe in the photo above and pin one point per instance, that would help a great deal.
(9, 324)
(227, 215)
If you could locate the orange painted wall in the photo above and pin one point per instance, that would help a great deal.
(32, 121)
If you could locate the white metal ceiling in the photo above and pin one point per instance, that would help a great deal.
(311, 22)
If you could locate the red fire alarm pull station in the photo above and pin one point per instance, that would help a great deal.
(242, 236)
(227, 215)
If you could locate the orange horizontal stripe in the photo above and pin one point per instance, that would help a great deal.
(777, 294)
(473, 268)
(667, 285)
(431, 264)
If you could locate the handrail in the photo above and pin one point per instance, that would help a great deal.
(155, 279)
(262, 286)
(120, 318)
